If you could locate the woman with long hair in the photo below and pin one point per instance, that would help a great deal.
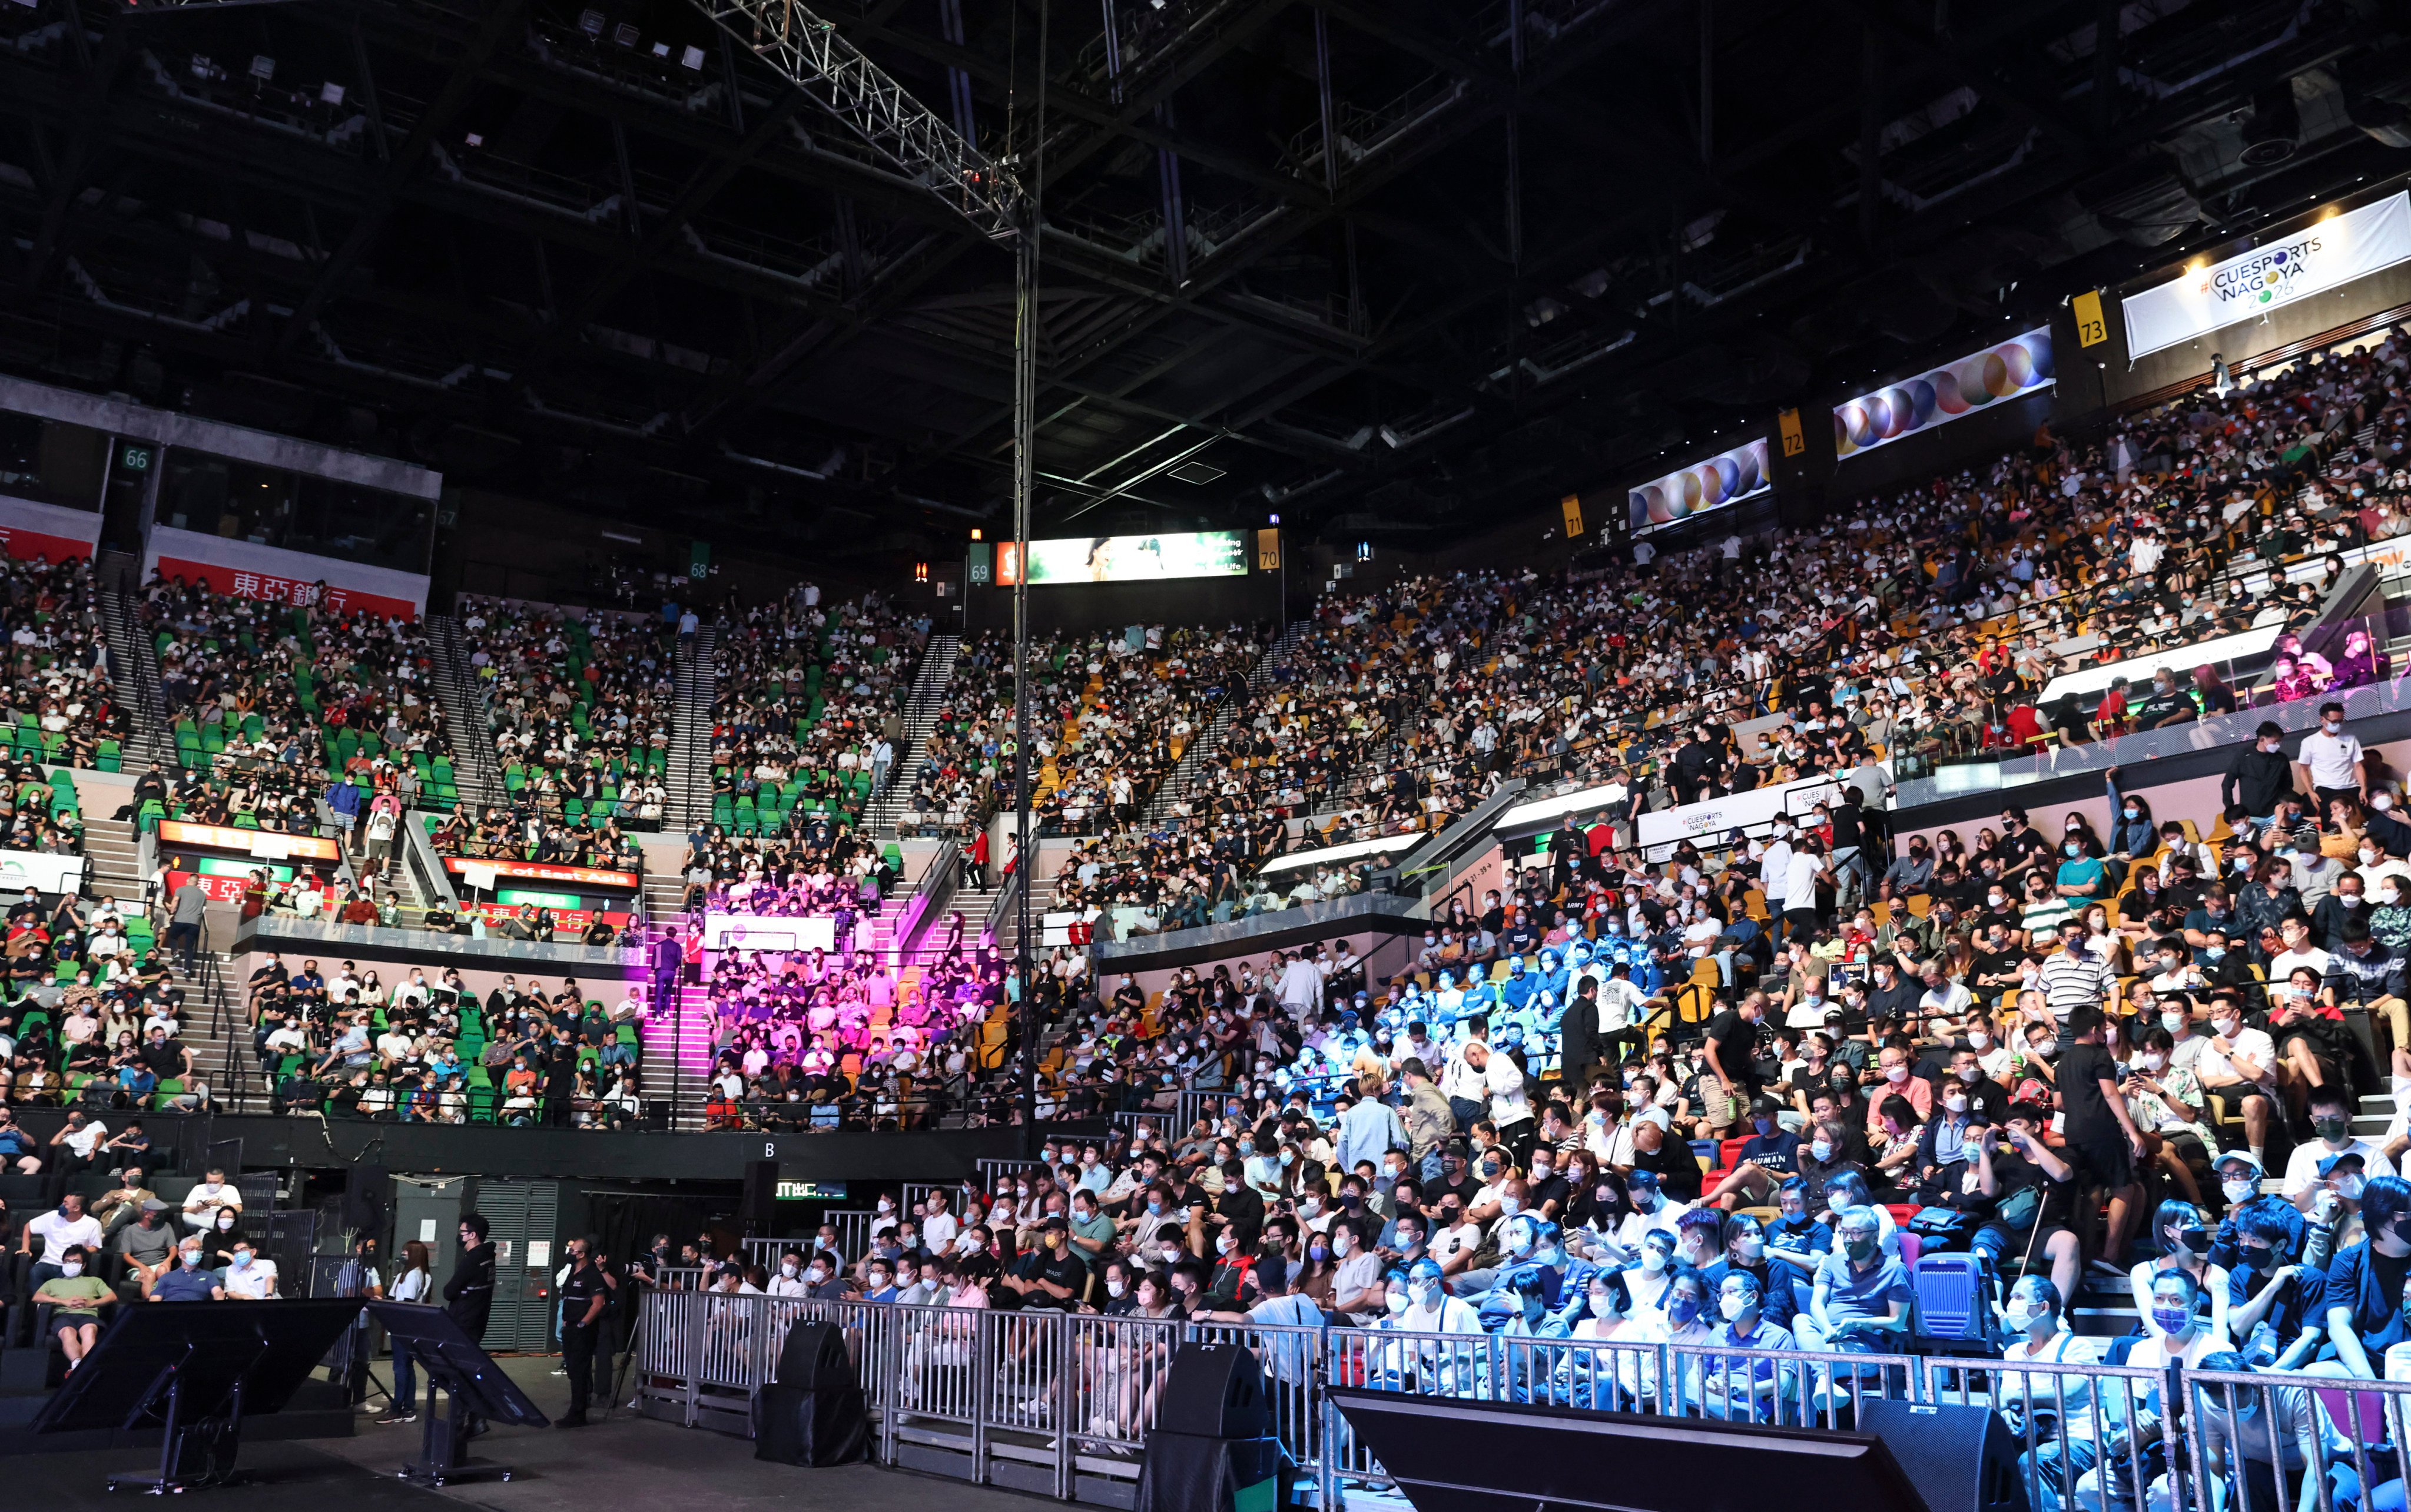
(414, 1282)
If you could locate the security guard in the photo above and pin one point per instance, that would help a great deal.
(585, 1297)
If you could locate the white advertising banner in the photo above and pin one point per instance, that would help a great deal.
(23, 869)
(767, 932)
(2320, 257)
(2008, 369)
(1717, 818)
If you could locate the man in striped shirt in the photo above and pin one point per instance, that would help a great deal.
(2077, 976)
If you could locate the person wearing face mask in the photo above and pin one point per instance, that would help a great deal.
(79, 1297)
(2276, 1310)
(1429, 1307)
(2257, 777)
(2366, 1283)
(2240, 1063)
(2036, 1336)
(2330, 763)
(248, 1277)
(2306, 1172)
(1859, 1300)
(1729, 1386)
(2183, 1242)
(1768, 1156)
(789, 1281)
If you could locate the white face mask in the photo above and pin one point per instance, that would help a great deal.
(2156, 1063)
(1395, 1302)
(71, 1268)
(1732, 1307)
(1115, 1288)
(816, 1275)
(787, 1269)
(1895, 1073)
(1225, 1244)
(1653, 1260)
(2243, 1190)
(2046, 1046)
(1979, 1039)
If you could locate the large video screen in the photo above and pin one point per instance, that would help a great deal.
(1210, 553)
(1727, 477)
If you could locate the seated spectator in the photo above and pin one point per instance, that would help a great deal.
(78, 1299)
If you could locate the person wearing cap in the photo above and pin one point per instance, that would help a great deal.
(2239, 1174)
(146, 1247)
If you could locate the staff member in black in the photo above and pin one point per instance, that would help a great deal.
(585, 1297)
(469, 1296)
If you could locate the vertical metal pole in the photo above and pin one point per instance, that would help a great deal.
(1870, 135)
(1708, 82)
(1025, 476)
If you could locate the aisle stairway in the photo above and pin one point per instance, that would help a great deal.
(1201, 750)
(921, 710)
(133, 663)
(479, 766)
(690, 764)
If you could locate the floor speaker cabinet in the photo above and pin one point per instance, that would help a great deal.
(761, 1195)
(1962, 1458)
(1215, 1391)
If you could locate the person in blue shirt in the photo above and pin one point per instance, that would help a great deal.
(1552, 975)
(1728, 1383)
(1797, 1229)
(1517, 989)
(186, 1281)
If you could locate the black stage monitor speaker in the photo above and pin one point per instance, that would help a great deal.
(814, 1413)
(1215, 1391)
(1961, 1457)
(368, 1202)
(814, 1357)
(761, 1192)
(1449, 1455)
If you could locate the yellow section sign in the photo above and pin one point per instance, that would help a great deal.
(1572, 504)
(1788, 424)
(2091, 329)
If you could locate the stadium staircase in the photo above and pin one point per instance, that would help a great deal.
(922, 706)
(688, 778)
(479, 773)
(133, 662)
(1186, 775)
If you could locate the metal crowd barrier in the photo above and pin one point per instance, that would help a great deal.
(1061, 1402)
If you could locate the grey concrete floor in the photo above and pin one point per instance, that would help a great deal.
(630, 1461)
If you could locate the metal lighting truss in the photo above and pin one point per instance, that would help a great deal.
(808, 52)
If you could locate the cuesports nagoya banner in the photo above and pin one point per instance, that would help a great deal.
(2323, 256)
(1727, 477)
(2017, 366)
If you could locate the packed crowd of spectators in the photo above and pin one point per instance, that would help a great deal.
(433, 1050)
(92, 1019)
(1111, 714)
(810, 712)
(1919, 628)
(306, 687)
(841, 1039)
(58, 702)
(582, 711)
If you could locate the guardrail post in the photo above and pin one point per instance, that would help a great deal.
(694, 1352)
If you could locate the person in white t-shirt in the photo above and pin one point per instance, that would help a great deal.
(63, 1226)
(2240, 1063)
(249, 1278)
(2329, 763)
(202, 1204)
(937, 1225)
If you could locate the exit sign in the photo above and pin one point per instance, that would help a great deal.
(811, 1192)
